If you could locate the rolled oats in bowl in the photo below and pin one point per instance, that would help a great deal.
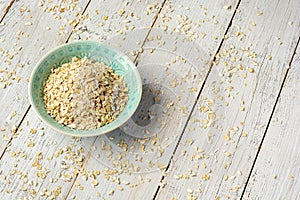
(84, 94)
(85, 89)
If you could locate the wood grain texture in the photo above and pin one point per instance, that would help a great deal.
(182, 80)
(25, 38)
(276, 171)
(46, 173)
(214, 161)
(32, 165)
(173, 52)
(4, 7)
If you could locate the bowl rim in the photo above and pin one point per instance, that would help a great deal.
(134, 108)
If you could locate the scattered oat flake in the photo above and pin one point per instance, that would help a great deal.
(227, 154)
(259, 13)
(250, 70)
(227, 7)
(290, 176)
(225, 177)
(30, 144)
(110, 193)
(94, 183)
(32, 131)
(161, 166)
(239, 172)
(28, 23)
(14, 113)
(105, 17)
(120, 188)
(252, 23)
(205, 177)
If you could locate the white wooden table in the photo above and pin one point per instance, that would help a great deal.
(219, 116)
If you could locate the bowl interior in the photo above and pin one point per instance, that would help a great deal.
(121, 64)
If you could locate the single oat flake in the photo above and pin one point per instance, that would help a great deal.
(84, 94)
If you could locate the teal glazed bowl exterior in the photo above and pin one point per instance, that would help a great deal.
(121, 64)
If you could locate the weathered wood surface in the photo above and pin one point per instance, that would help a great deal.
(214, 160)
(32, 164)
(189, 71)
(172, 43)
(44, 173)
(4, 7)
(277, 169)
(25, 39)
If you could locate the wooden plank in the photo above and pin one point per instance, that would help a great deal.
(215, 156)
(25, 38)
(55, 148)
(38, 162)
(276, 171)
(123, 25)
(136, 165)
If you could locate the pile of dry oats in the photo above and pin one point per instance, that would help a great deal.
(84, 94)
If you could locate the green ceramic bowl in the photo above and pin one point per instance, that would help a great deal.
(121, 64)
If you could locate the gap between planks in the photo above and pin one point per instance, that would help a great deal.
(143, 43)
(270, 118)
(29, 107)
(7, 9)
(87, 5)
(198, 96)
(239, 138)
(266, 126)
(152, 25)
(85, 161)
(18, 126)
